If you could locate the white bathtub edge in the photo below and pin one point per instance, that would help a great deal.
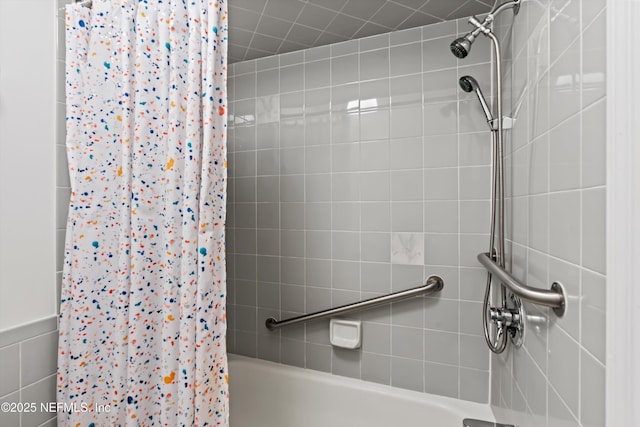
(469, 409)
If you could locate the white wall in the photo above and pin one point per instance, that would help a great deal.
(27, 177)
(623, 211)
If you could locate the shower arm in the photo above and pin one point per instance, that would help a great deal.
(483, 27)
(497, 9)
(491, 16)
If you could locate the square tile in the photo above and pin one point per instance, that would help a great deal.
(9, 369)
(407, 248)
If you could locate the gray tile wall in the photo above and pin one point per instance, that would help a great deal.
(556, 75)
(28, 373)
(357, 169)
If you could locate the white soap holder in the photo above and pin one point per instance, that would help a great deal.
(345, 333)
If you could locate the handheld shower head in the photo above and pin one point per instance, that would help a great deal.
(469, 84)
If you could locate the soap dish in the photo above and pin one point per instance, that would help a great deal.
(345, 333)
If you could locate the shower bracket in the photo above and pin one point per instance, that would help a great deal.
(507, 123)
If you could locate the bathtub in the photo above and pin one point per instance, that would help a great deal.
(265, 394)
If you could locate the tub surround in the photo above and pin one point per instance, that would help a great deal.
(358, 169)
(556, 68)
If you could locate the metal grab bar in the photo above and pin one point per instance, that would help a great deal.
(433, 284)
(554, 297)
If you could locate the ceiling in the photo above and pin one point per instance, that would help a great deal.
(266, 27)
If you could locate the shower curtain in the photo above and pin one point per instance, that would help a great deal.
(142, 315)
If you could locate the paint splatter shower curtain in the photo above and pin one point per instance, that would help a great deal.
(142, 321)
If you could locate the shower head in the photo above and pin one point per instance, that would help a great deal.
(460, 47)
(469, 84)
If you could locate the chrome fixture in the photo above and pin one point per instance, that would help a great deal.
(555, 297)
(469, 84)
(510, 321)
(433, 284)
(503, 317)
(509, 318)
(461, 47)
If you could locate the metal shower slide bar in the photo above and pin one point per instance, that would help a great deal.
(554, 297)
(433, 284)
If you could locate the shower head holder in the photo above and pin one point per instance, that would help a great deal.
(507, 123)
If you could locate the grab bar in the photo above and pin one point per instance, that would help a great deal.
(433, 284)
(554, 297)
